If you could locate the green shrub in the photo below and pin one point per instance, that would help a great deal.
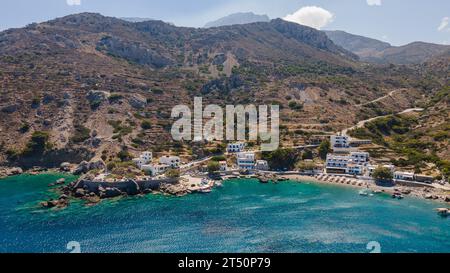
(38, 144)
(146, 125)
(81, 134)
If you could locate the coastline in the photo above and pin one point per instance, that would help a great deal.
(437, 195)
(189, 185)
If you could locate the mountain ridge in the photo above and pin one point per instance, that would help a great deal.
(238, 19)
(372, 50)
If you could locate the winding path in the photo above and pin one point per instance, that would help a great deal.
(390, 94)
(363, 122)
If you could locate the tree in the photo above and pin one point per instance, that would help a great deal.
(307, 155)
(281, 159)
(213, 167)
(324, 149)
(124, 155)
(382, 174)
(146, 124)
(38, 143)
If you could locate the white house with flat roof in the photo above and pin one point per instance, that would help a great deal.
(354, 169)
(338, 141)
(155, 169)
(359, 157)
(143, 159)
(403, 176)
(223, 166)
(236, 147)
(246, 160)
(262, 165)
(172, 161)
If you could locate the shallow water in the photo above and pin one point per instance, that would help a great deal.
(243, 216)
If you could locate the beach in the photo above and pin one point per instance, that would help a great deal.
(429, 192)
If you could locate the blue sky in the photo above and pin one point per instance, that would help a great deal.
(396, 21)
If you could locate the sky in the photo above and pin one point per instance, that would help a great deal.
(395, 21)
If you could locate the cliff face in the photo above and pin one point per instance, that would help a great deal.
(97, 86)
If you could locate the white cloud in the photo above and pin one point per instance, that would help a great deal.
(444, 24)
(311, 16)
(73, 2)
(374, 2)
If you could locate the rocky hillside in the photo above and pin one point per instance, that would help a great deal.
(371, 50)
(88, 87)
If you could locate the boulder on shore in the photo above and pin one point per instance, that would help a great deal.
(79, 193)
(109, 192)
(65, 167)
(85, 167)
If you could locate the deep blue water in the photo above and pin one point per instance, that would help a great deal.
(243, 216)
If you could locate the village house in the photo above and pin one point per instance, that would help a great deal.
(172, 161)
(143, 159)
(155, 169)
(246, 160)
(338, 141)
(262, 165)
(223, 166)
(403, 176)
(235, 147)
(359, 157)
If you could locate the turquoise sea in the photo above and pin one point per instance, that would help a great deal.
(243, 216)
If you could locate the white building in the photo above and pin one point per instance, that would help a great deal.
(354, 169)
(359, 157)
(339, 141)
(148, 156)
(143, 159)
(172, 161)
(262, 165)
(403, 176)
(246, 160)
(336, 163)
(235, 147)
(223, 166)
(353, 164)
(155, 169)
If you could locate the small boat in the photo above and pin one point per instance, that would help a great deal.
(376, 192)
(218, 184)
(398, 196)
(204, 190)
(363, 193)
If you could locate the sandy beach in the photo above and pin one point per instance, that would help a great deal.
(430, 193)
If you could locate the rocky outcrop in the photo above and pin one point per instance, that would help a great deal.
(137, 101)
(134, 52)
(10, 171)
(109, 192)
(85, 167)
(65, 167)
(97, 96)
(9, 109)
